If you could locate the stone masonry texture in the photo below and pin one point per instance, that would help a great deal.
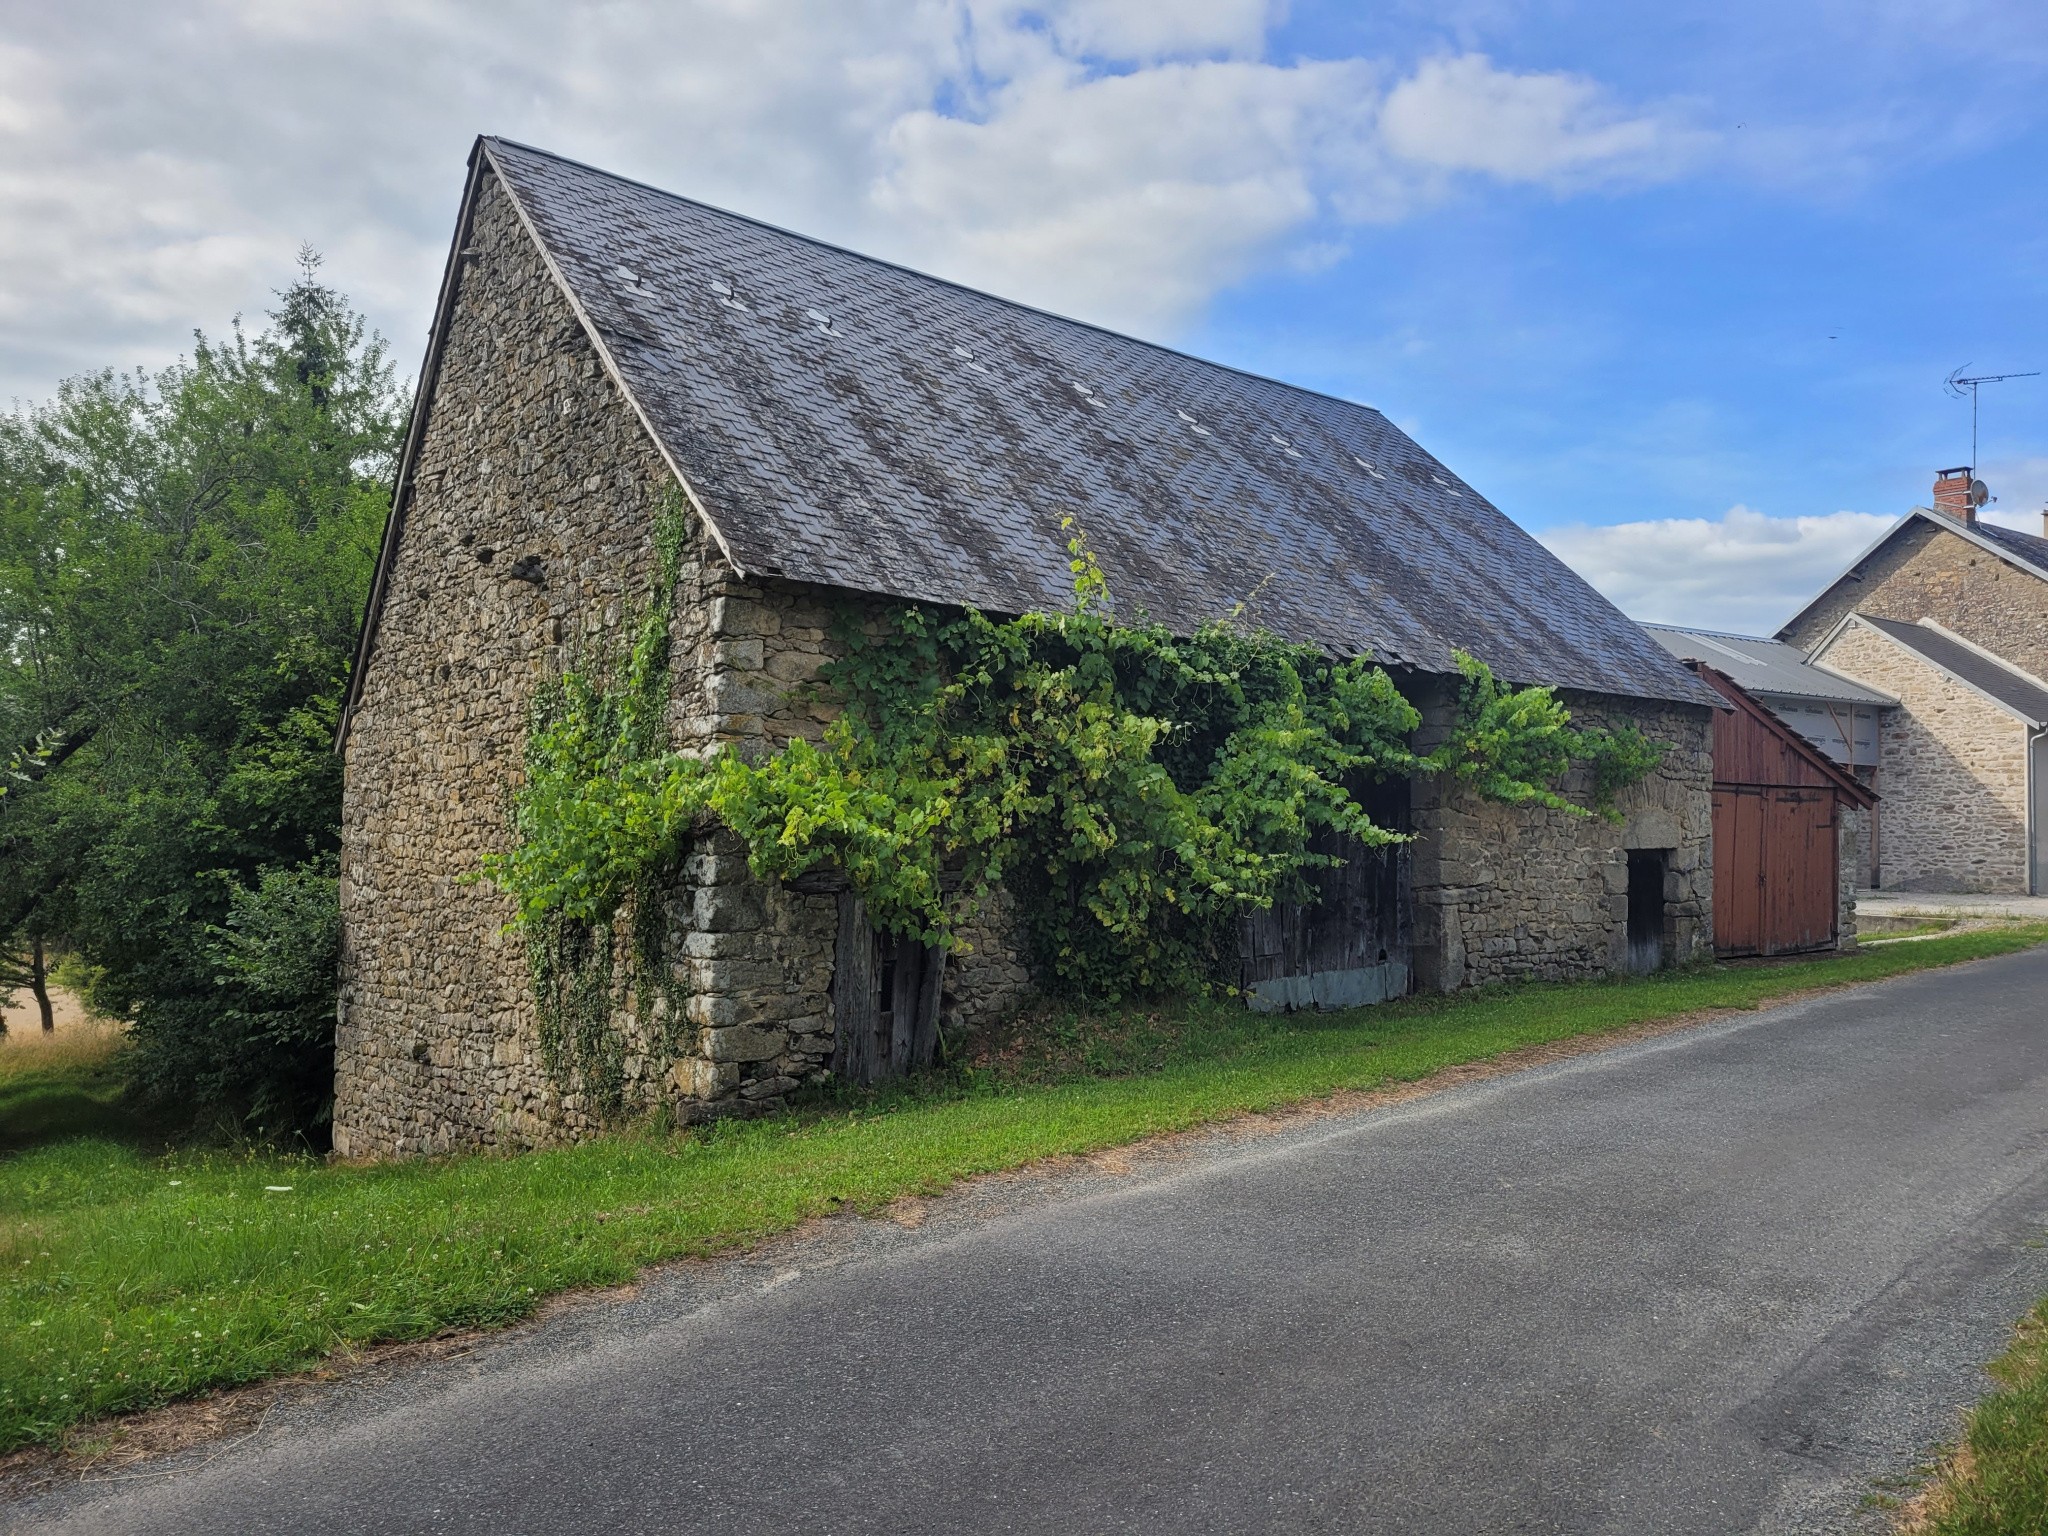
(1927, 572)
(1507, 893)
(1952, 768)
(526, 548)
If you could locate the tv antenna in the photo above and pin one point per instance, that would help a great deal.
(1956, 384)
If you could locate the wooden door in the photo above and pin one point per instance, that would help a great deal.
(886, 993)
(1776, 863)
(1349, 946)
(1801, 863)
(1738, 870)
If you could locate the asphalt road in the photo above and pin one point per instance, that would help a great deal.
(1711, 1282)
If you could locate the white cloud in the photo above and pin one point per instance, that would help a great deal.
(1463, 114)
(1144, 30)
(2021, 486)
(1119, 159)
(1743, 571)
(1068, 193)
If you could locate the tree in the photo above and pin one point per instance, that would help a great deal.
(27, 968)
(184, 558)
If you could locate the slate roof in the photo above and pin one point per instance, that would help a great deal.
(1763, 666)
(2003, 684)
(845, 421)
(2029, 548)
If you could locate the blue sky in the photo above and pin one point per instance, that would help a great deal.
(1676, 285)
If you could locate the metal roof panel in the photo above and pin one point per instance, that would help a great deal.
(1763, 666)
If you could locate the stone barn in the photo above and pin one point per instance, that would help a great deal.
(848, 432)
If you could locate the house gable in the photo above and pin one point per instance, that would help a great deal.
(1982, 583)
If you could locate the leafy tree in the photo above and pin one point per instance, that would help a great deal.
(184, 558)
(27, 967)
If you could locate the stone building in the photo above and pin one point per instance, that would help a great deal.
(843, 433)
(1948, 615)
(1962, 756)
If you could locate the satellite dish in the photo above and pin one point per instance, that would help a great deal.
(1979, 493)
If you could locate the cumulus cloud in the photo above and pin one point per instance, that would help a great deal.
(2021, 486)
(1117, 159)
(1743, 571)
(1561, 130)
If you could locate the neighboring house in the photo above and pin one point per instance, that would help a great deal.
(1835, 714)
(850, 433)
(1788, 824)
(1964, 757)
(1956, 629)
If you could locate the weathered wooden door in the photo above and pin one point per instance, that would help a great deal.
(1776, 864)
(1351, 945)
(886, 993)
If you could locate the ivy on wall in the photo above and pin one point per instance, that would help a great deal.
(1138, 791)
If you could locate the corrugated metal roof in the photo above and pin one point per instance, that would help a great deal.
(849, 422)
(2005, 684)
(1762, 666)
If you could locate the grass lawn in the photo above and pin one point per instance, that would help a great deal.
(1998, 1485)
(134, 1277)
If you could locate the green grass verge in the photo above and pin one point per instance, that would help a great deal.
(131, 1280)
(2000, 1486)
(67, 1084)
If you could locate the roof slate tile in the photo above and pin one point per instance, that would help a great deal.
(873, 457)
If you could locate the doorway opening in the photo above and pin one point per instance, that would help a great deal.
(1646, 868)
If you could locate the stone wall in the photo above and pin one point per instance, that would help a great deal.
(1926, 572)
(527, 547)
(1512, 892)
(525, 542)
(1952, 768)
(1852, 848)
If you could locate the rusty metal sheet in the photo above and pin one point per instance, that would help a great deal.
(852, 423)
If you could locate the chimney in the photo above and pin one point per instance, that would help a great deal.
(2044, 522)
(1953, 495)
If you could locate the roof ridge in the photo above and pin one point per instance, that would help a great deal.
(932, 277)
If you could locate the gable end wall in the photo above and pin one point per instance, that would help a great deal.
(1926, 572)
(1952, 768)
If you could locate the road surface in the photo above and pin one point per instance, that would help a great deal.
(1715, 1281)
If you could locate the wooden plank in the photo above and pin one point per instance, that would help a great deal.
(1738, 870)
(924, 1034)
(1351, 944)
(853, 994)
(1800, 868)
